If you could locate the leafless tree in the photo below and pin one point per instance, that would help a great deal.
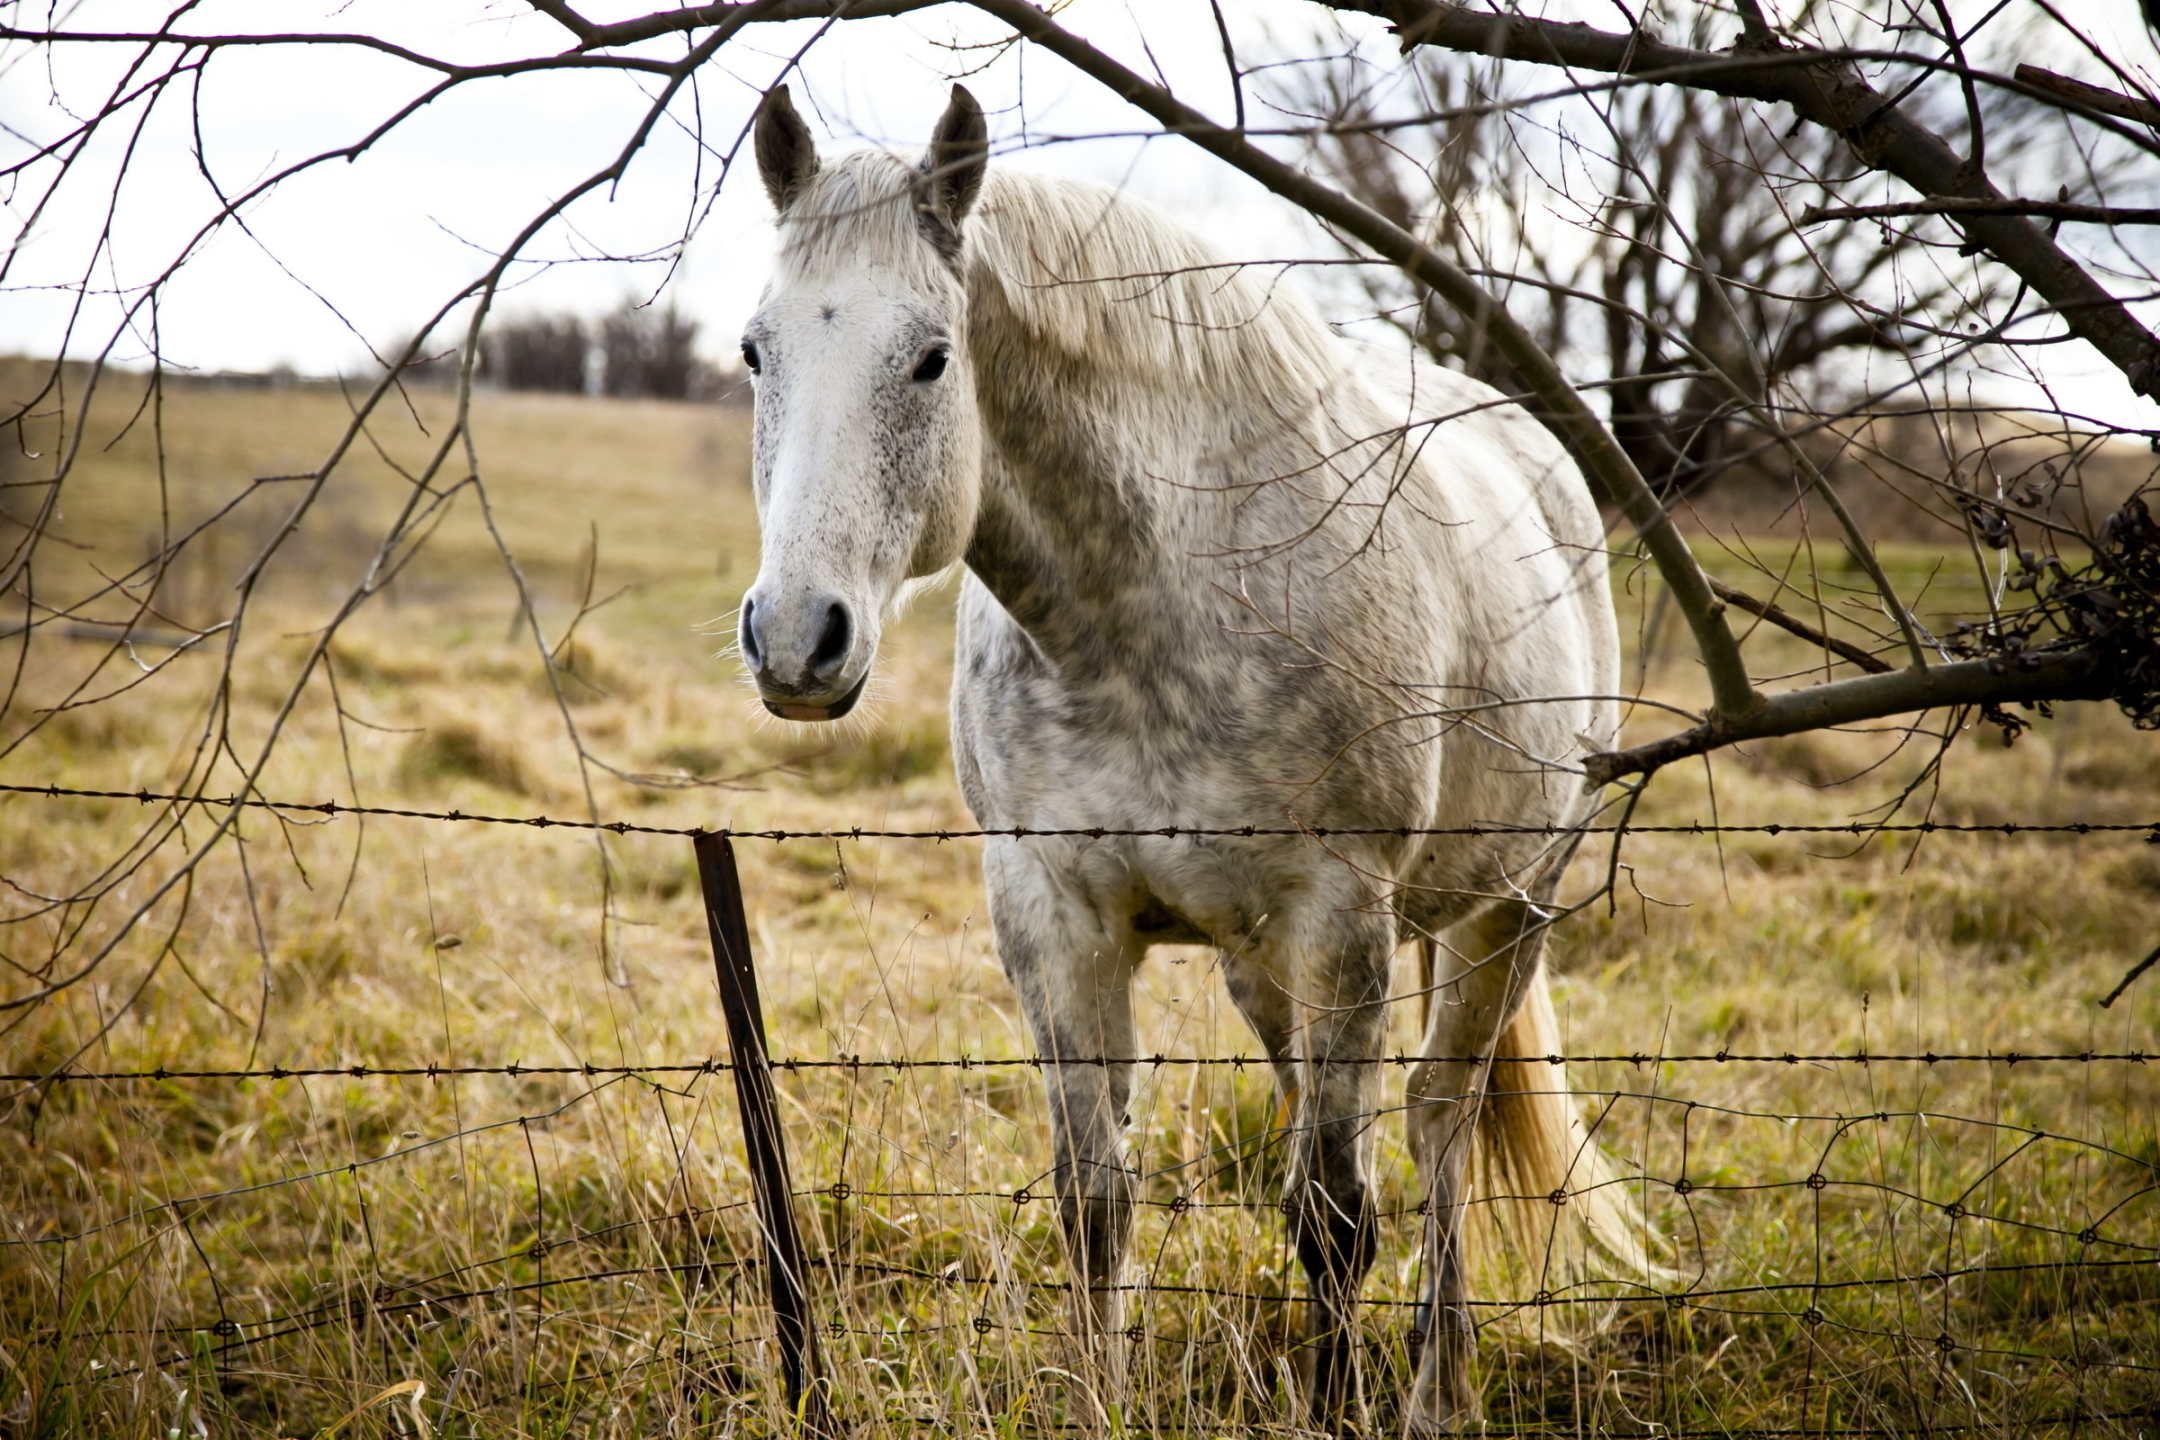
(1647, 236)
(538, 352)
(647, 350)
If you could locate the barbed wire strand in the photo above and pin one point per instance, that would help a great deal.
(1036, 1062)
(333, 808)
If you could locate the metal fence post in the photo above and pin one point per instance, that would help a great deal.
(764, 1144)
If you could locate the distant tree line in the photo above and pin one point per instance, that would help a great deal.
(635, 351)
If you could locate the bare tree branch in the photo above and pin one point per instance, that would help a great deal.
(592, 36)
(2092, 97)
(209, 43)
(1953, 206)
(2073, 675)
(1794, 625)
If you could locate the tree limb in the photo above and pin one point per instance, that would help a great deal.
(2092, 97)
(1954, 206)
(566, 17)
(593, 36)
(208, 43)
(2066, 675)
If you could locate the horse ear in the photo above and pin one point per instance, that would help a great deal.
(786, 155)
(953, 166)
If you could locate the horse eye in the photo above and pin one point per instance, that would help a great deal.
(932, 364)
(750, 356)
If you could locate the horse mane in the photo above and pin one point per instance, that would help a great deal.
(1095, 277)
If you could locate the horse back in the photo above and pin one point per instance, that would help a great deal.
(1512, 548)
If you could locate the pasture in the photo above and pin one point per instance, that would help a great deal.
(1896, 1247)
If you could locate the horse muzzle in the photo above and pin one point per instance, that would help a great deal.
(801, 655)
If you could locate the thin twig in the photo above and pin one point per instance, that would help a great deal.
(2125, 983)
(1787, 621)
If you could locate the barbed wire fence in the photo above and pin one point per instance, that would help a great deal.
(1962, 1220)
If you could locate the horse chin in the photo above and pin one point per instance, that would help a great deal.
(833, 711)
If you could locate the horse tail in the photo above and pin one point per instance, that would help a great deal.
(1541, 1164)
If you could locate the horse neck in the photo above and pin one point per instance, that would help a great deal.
(1119, 411)
(1084, 530)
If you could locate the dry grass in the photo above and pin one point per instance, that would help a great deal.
(556, 1256)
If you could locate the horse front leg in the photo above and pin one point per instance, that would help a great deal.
(1497, 962)
(1341, 1019)
(1073, 975)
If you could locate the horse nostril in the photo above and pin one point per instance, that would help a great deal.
(749, 635)
(834, 644)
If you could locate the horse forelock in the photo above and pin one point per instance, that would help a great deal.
(1100, 279)
(861, 210)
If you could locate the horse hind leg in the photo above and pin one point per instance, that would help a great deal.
(1263, 998)
(1498, 963)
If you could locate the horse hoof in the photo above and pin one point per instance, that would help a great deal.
(1464, 1420)
(1444, 1406)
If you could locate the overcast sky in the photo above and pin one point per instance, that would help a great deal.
(352, 255)
(368, 249)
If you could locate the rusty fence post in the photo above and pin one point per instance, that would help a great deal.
(764, 1145)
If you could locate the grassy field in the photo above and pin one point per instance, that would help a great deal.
(1894, 1247)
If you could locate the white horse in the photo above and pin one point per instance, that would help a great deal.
(1224, 569)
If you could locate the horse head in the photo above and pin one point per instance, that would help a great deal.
(867, 456)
